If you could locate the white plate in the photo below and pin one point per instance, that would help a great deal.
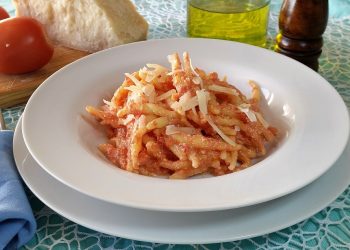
(181, 228)
(304, 105)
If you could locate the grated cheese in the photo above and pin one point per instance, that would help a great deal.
(185, 106)
(147, 89)
(175, 72)
(133, 78)
(143, 73)
(172, 129)
(217, 130)
(142, 121)
(135, 97)
(175, 106)
(245, 108)
(262, 120)
(128, 119)
(149, 92)
(155, 71)
(197, 79)
(203, 97)
(194, 111)
(185, 103)
(157, 68)
(133, 88)
(222, 89)
(171, 57)
(190, 104)
(185, 97)
(165, 95)
(111, 105)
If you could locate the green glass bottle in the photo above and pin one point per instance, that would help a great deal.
(237, 20)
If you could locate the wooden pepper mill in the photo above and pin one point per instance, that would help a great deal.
(301, 24)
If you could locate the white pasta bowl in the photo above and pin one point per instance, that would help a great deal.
(311, 116)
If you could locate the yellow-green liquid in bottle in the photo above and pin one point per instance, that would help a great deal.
(241, 21)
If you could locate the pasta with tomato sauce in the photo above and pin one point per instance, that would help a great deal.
(181, 122)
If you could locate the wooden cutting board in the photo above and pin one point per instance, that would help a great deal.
(16, 89)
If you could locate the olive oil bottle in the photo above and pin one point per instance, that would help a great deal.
(238, 20)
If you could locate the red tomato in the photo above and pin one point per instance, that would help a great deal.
(3, 13)
(24, 46)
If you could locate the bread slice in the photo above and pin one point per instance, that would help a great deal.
(88, 25)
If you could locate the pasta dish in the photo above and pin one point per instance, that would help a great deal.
(181, 122)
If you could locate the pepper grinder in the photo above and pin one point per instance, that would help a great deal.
(301, 25)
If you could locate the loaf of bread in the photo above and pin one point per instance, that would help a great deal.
(88, 25)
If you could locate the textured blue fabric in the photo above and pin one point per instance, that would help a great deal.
(339, 8)
(17, 223)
